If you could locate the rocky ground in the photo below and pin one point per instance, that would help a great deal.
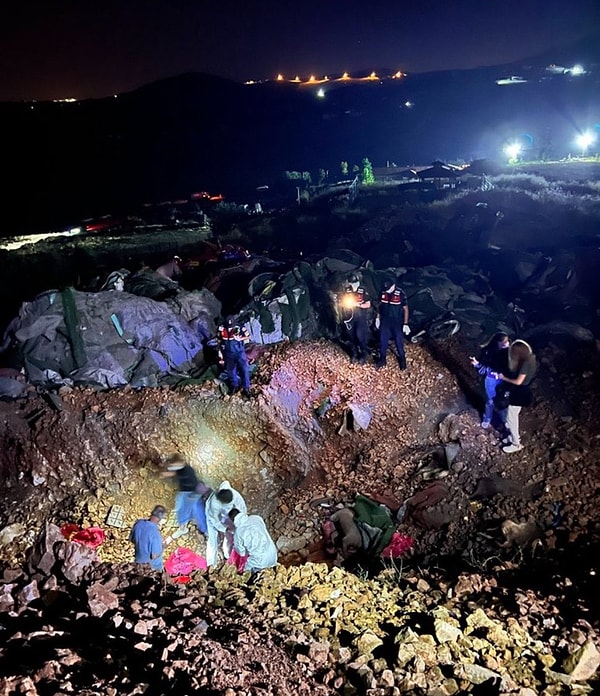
(498, 595)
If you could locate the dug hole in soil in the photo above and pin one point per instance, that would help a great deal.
(500, 589)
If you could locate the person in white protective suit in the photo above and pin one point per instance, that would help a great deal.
(251, 539)
(218, 505)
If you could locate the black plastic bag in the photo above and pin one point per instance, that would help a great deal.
(502, 397)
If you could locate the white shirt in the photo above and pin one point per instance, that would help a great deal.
(252, 539)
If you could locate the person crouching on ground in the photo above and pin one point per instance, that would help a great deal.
(251, 539)
(492, 361)
(522, 364)
(148, 541)
(218, 506)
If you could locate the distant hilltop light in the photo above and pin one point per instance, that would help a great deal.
(345, 76)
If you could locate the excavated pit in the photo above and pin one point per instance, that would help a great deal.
(72, 458)
(308, 627)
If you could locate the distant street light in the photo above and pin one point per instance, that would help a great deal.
(584, 140)
(512, 151)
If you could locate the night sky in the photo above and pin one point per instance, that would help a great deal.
(80, 49)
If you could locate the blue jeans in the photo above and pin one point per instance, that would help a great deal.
(237, 368)
(490, 391)
(190, 507)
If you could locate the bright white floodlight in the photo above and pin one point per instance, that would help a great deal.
(584, 140)
(577, 70)
(512, 151)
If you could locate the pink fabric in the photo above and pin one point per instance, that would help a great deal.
(398, 546)
(236, 560)
(91, 536)
(183, 561)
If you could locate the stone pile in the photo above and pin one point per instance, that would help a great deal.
(73, 625)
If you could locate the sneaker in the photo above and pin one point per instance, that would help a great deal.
(485, 424)
(182, 531)
(509, 449)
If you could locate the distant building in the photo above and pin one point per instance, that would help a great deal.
(442, 175)
(393, 174)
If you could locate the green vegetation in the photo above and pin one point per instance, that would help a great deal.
(367, 172)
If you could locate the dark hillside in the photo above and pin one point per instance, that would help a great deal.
(68, 161)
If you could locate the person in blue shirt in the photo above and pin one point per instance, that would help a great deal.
(147, 539)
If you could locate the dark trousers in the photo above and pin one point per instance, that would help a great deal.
(237, 368)
(391, 331)
(358, 331)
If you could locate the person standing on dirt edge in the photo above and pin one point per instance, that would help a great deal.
(356, 306)
(493, 359)
(392, 321)
(522, 364)
(232, 344)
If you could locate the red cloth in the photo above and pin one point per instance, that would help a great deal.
(398, 546)
(91, 536)
(183, 561)
(236, 560)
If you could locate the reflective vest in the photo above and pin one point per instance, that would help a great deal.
(391, 306)
(360, 295)
(397, 297)
(233, 333)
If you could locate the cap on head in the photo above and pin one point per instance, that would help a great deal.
(160, 512)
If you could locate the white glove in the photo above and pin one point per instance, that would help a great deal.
(406, 329)
(377, 322)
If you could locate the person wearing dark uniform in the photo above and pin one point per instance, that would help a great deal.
(392, 321)
(232, 343)
(356, 307)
